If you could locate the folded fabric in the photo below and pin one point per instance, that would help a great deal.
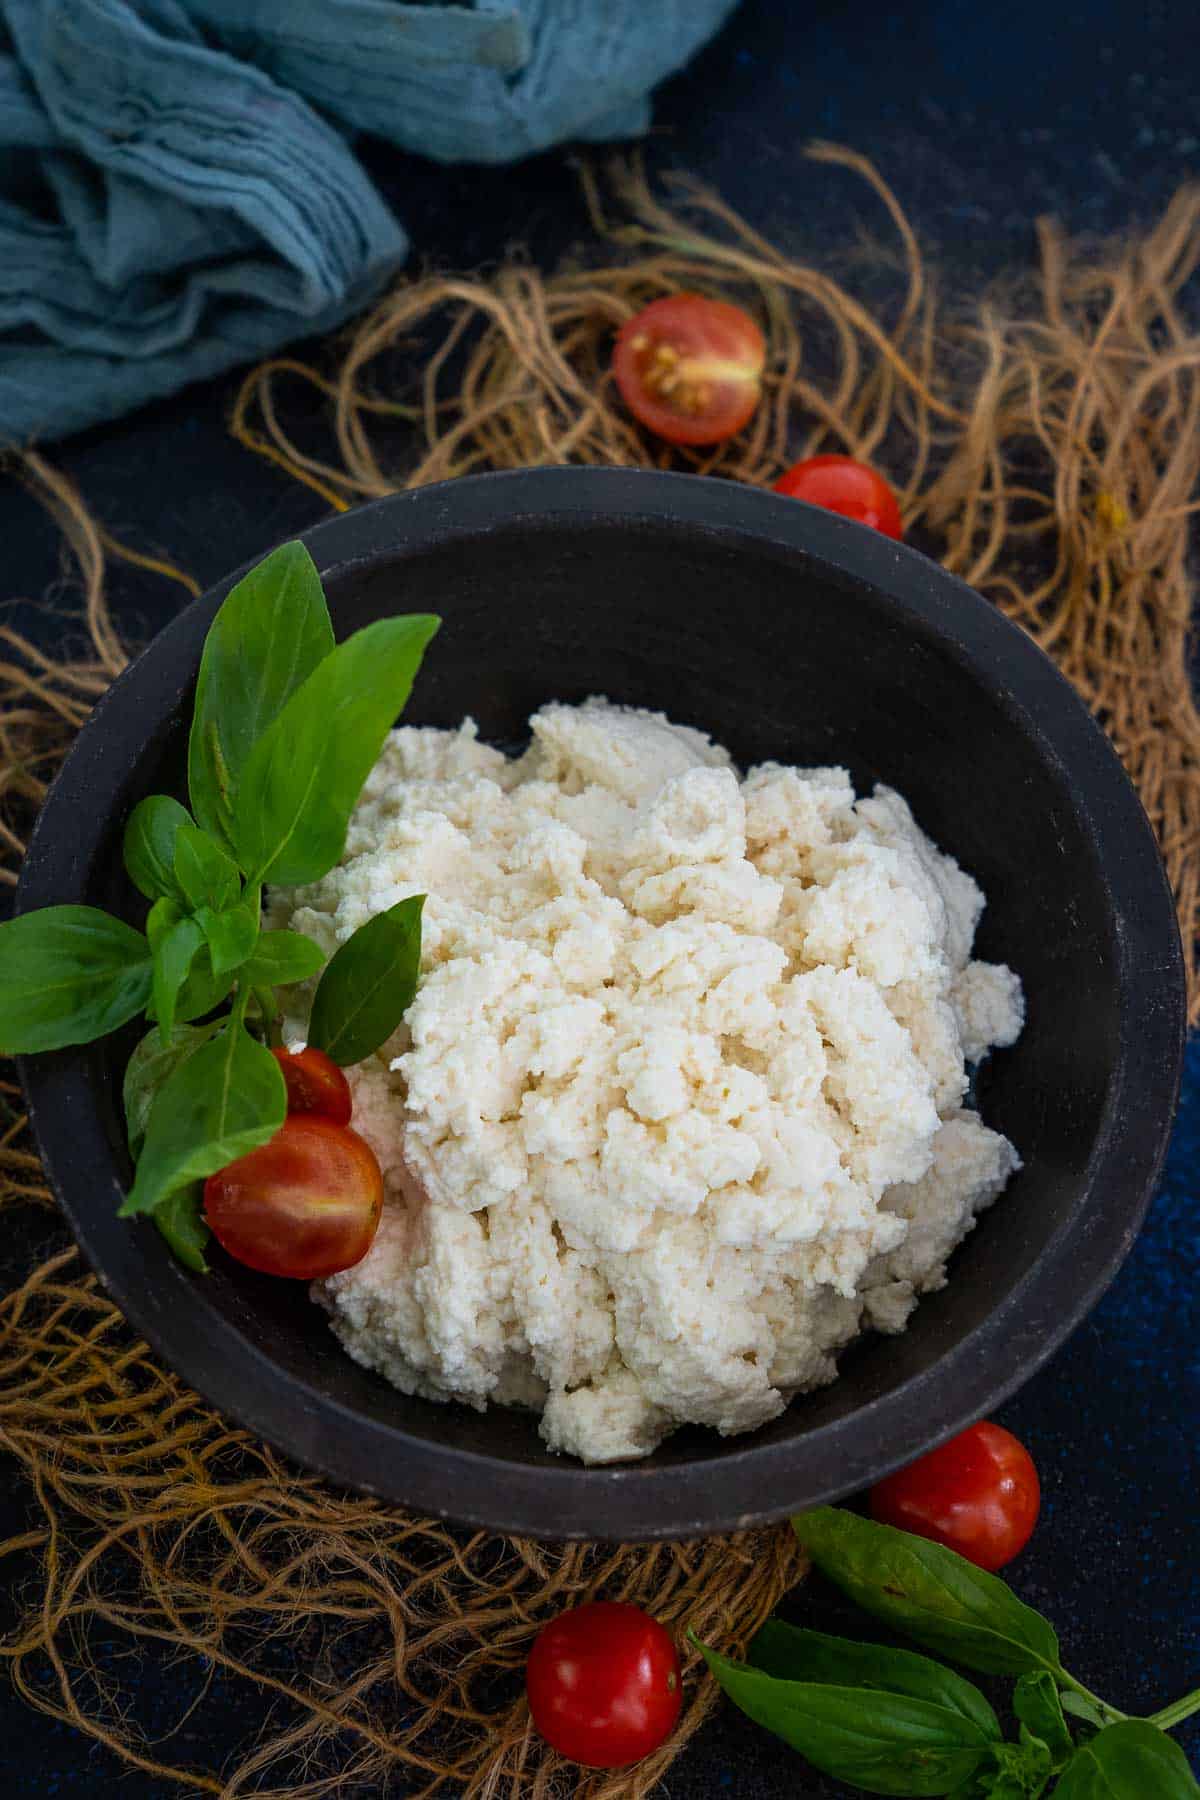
(178, 186)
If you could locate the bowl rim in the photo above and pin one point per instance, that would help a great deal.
(727, 1491)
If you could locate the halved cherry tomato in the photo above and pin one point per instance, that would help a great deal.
(603, 1684)
(315, 1084)
(979, 1494)
(841, 485)
(690, 368)
(307, 1204)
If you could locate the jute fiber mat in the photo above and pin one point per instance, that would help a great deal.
(1045, 441)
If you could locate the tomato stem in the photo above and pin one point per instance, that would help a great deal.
(1177, 1711)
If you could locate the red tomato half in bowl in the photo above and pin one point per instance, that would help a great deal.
(305, 1205)
(315, 1084)
(604, 1685)
(978, 1494)
(842, 485)
(690, 368)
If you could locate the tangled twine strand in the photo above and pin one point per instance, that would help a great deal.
(1046, 447)
(397, 1643)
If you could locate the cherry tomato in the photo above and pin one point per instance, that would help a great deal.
(603, 1684)
(690, 368)
(841, 485)
(978, 1494)
(315, 1084)
(306, 1204)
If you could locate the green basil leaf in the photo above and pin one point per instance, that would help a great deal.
(162, 917)
(369, 984)
(1036, 1703)
(885, 1743)
(1133, 1760)
(174, 954)
(271, 633)
(304, 775)
(1080, 1707)
(929, 1593)
(231, 934)
(181, 1221)
(206, 876)
(68, 975)
(282, 957)
(794, 1655)
(225, 1100)
(152, 1062)
(150, 846)
(203, 990)
(1017, 1771)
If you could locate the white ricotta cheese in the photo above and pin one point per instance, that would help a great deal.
(677, 1110)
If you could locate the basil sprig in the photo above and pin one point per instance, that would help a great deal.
(1132, 1758)
(783, 1650)
(223, 1100)
(148, 1068)
(300, 782)
(928, 1593)
(286, 727)
(270, 634)
(1039, 1706)
(880, 1738)
(280, 958)
(69, 975)
(150, 846)
(174, 953)
(369, 984)
(893, 1722)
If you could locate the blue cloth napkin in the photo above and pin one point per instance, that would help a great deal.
(178, 186)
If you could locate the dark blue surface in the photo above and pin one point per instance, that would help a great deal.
(982, 122)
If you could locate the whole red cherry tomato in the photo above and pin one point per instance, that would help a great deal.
(315, 1084)
(978, 1494)
(307, 1204)
(603, 1684)
(841, 485)
(690, 368)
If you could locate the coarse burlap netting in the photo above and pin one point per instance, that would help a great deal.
(1046, 444)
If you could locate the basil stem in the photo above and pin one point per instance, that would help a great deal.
(1177, 1712)
(269, 1009)
(1110, 1714)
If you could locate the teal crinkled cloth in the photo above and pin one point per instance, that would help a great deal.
(178, 186)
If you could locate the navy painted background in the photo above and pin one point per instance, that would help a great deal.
(982, 120)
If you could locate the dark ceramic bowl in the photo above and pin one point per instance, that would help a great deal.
(793, 635)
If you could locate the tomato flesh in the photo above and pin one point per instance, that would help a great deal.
(690, 368)
(978, 1494)
(603, 1684)
(315, 1084)
(841, 485)
(305, 1205)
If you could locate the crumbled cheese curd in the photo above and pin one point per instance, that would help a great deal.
(678, 1109)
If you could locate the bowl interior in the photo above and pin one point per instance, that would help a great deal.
(780, 656)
